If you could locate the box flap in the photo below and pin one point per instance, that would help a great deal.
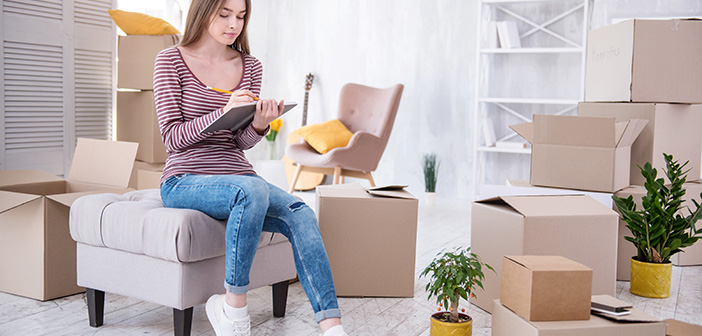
(103, 162)
(15, 177)
(525, 130)
(10, 200)
(352, 190)
(69, 198)
(548, 263)
(574, 130)
(679, 328)
(394, 191)
(557, 205)
(630, 130)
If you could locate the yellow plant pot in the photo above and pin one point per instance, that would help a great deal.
(439, 328)
(650, 279)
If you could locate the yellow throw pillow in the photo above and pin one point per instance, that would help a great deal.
(133, 23)
(326, 136)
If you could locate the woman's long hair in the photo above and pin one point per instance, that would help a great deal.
(200, 16)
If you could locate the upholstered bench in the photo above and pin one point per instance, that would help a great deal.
(132, 245)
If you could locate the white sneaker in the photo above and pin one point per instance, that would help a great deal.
(335, 332)
(221, 324)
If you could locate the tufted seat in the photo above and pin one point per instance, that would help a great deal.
(134, 246)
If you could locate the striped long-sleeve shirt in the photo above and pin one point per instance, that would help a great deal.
(185, 106)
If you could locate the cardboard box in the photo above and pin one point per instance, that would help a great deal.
(146, 175)
(546, 288)
(39, 256)
(506, 323)
(645, 61)
(679, 328)
(573, 226)
(586, 153)
(672, 129)
(370, 240)
(522, 187)
(135, 59)
(691, 255)
(137, 122)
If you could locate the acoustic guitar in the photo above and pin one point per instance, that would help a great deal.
(307, 180)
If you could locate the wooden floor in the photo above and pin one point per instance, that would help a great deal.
(443, 225)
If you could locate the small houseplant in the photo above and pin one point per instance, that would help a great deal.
(659, 229)
(453, 275)
(430, 167)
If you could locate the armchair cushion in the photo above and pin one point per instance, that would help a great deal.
(326, 136)
(133, 23)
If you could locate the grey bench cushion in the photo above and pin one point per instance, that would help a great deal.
(138, 222)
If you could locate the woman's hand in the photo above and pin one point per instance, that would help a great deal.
(240, 97)
(267, 110)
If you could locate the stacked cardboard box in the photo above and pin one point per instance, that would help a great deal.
(505, 322)
(635, 110)
(550, 295)
(136, 114)
(39, 256)
(573, 226)
(651, 70)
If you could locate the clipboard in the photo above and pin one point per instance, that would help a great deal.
(238, 117)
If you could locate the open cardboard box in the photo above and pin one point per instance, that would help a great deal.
(586, 153)
(506, 323)
(645, 61)
(523, 187)
(38, 255)
(573, 226)
(546, 288)
(370, 240)
(672, 129)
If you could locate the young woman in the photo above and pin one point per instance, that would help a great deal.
(210, 173)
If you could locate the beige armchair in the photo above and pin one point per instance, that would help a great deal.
(369, 113)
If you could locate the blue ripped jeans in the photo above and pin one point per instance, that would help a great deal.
(253, 205)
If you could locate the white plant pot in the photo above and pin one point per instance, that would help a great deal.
(430, 197)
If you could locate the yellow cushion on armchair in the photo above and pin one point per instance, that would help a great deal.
(326, 136)
(133, 23)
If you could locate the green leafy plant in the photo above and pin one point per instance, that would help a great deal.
(453, 275)
(659, 229)
(430, 166)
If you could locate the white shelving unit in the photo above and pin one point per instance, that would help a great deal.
(546, 76)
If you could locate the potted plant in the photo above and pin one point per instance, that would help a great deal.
(453, 275)
(430, 166)
(659, 229)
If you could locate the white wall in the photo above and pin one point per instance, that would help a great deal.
(429, 46)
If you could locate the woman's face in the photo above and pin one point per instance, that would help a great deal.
(227, 23)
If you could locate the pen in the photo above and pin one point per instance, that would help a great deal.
(225, 91)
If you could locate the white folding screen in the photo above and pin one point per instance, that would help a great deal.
(57, 81)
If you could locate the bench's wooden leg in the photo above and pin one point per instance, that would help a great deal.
(96, 306)
(182, 321)
(280, 298)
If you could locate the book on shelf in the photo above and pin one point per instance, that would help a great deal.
(490, 39)
(510, 144)
(508, 35)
